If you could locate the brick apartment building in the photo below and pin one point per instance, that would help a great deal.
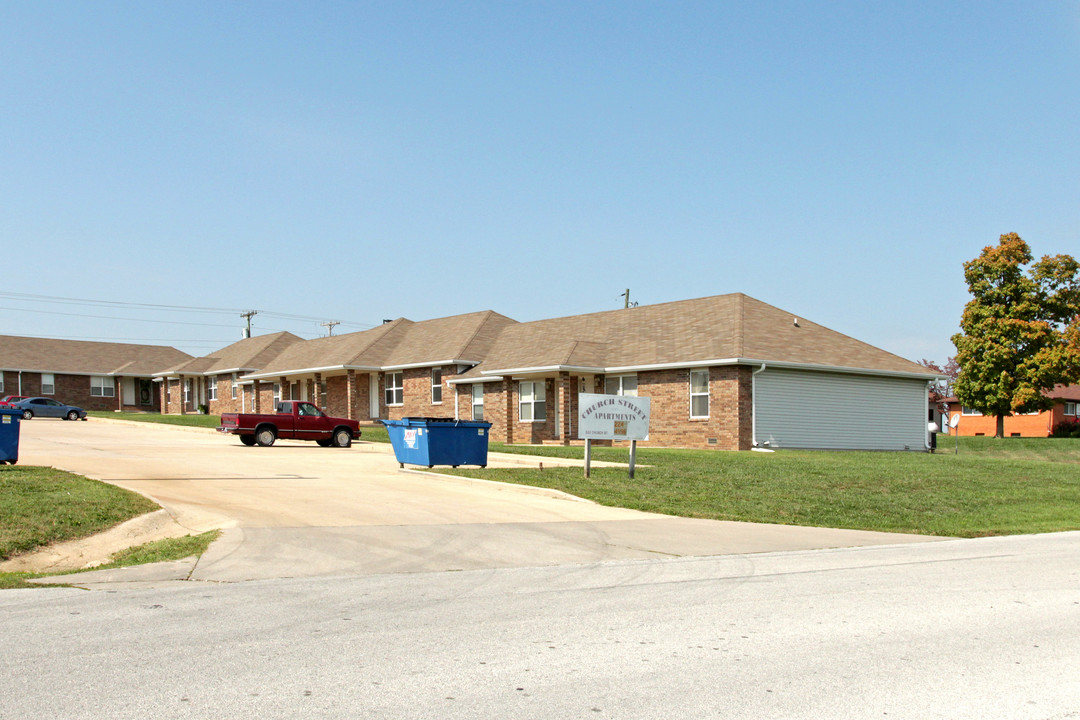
(727, 372)
(92, 375)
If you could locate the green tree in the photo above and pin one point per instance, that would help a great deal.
(1019, 332)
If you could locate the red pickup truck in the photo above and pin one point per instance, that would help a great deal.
(292, 420)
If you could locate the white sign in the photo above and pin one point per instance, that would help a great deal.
(613, 417)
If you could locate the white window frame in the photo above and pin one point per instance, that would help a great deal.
(235, 385)
(621, 382)
(704, 394)
(1070, 408)
(102, 386)
(394, 392)
(528, 397)
(1, 381)
(187, 390)
(50, 384)
(478, 401)
(964, 410)
(277, 393)
(211, 388)
(436, 386)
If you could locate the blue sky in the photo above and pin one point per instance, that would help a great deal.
(360, 161)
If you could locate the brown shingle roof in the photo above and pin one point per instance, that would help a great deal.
(722, 327)
(81, 357)
(247, 354)
(401, 342)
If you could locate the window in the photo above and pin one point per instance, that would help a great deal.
(48, 384)
(478, 401)
(235, 385)
(187, 390)
(620, 385)
(699, 393)
(101, 386)
(211, 388)
(531, 404)
(307, 410)
(969, 411)
(1070, 408)
(395, 388)
(436, 386)
(1, 381)
(277, 392)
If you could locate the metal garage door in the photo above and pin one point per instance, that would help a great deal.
(801, 409)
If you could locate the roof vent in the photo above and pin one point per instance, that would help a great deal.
(795, 322)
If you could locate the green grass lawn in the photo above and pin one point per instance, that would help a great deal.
(992, 487)
(191, 420)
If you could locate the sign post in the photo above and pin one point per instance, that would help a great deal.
(613, 417)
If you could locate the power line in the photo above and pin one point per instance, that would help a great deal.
(154, 306)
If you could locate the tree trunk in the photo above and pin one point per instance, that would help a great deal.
(1000, 431)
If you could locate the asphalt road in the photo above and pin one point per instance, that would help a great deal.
(981, 629)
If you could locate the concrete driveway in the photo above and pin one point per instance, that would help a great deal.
(296, 509)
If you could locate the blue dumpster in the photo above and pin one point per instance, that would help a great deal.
(439, 441)
(9, 435)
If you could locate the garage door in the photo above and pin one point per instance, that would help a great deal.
(800, 409)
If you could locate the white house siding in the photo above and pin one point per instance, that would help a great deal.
(803, 409)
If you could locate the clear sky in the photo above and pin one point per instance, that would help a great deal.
(356, 161)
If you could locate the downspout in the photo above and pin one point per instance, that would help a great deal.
(20, 382)
(457, 414)
(926, 439)
(753, 405)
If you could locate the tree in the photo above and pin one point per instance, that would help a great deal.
(1020, 333)
(943, 388)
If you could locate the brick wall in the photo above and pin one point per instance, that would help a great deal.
(728, 427)
(417, 396)
(1025, 425)
(225, 402)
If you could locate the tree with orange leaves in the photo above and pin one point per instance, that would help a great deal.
(1020, 332)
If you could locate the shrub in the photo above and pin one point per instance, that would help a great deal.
(1066, 429)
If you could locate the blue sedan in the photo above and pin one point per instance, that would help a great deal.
(47, 407)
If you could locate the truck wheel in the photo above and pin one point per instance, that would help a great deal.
(342, 438)
(265, 437)
(248, 440)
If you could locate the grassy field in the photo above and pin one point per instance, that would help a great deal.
(992, 487)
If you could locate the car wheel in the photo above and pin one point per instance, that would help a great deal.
(27, 414)
(324, 443)
(265, 437)
(73, 415)
(342, 438)
(248, 440)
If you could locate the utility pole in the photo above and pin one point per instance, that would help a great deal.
(247, 316)
(329, 325)
(627, 303)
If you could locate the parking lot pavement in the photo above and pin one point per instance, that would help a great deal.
(296, 509)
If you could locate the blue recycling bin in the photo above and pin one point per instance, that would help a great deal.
(9, 435)
(438, 441)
